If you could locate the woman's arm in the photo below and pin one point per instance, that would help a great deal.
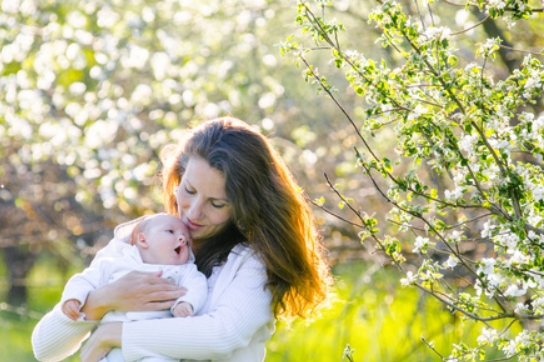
(140, 291)
(56, 336)
(102, 341)
(241, 310)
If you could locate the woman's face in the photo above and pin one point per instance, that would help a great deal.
(202, 199)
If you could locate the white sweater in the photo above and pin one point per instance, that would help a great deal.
(233, 326)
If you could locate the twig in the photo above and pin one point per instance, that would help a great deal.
(520, 50)
(470, 27)
(432, 348)
(330, 212)
(469, 314)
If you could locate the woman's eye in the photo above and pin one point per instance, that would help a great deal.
(218, 206)
(190, 192)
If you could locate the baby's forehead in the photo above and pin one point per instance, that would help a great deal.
(169, 220)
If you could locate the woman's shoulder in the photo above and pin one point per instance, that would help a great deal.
(244, 253)
(242, 250)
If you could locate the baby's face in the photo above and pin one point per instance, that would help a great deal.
(168, 240)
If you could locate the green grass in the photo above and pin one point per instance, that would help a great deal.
(378, 319)
(45, 284)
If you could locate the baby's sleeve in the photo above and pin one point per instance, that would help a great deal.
(80, 285)
(197, 287)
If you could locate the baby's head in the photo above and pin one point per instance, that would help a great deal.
(162, 239)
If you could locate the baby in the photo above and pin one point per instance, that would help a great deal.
(158, 242)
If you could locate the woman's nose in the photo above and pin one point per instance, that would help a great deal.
(194, 212)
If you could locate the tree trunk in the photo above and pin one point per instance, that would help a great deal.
(19, 262)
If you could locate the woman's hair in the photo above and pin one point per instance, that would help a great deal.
(269, 212)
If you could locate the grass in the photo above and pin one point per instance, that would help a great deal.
(378, 319)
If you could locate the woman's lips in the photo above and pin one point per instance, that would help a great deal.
(191, 225)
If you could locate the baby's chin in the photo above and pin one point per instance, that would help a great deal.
(181, 259)
(176, 260)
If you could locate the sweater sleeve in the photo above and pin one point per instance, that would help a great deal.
(240, 311)
(56, 336)
(80, 285)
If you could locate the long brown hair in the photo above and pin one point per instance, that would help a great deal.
(269, 212)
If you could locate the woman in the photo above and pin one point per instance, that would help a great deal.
(253, 237)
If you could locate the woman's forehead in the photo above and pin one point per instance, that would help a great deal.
(204, 178)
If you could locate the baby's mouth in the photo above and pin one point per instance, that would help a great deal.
(178, 250)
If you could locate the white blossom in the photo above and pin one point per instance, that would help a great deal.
(538, 305)
(451, 262)
(523, 338)
(500, 144)
(488, 336)
(538, 279)
(529, 283)
(521, 308)
(494, 279)
(490, 46)
(538, 193)
(510, 348)
(514, 291)
(492, 172)
(418, 111)
(468, 142)
(508, 240)
(454, 237)
(454, 194)
(440, 33)
(499, 4)
(487, 267)
(534, 219)
(420, 244)
(486, 230)
(410, 279)
(538, 124)
(517, 258)
(459, 176)
(532, 82)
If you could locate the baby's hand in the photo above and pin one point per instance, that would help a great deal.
(71, 309)
(183, 309)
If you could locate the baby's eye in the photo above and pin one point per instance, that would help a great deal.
(170, 231)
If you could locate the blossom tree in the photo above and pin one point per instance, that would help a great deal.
(90, 94)
(464, 176)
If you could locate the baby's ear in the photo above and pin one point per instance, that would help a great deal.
(141, 241)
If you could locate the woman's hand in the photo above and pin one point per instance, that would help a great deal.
(106, 337)
(136, 291)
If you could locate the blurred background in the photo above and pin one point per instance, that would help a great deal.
(90, 92)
